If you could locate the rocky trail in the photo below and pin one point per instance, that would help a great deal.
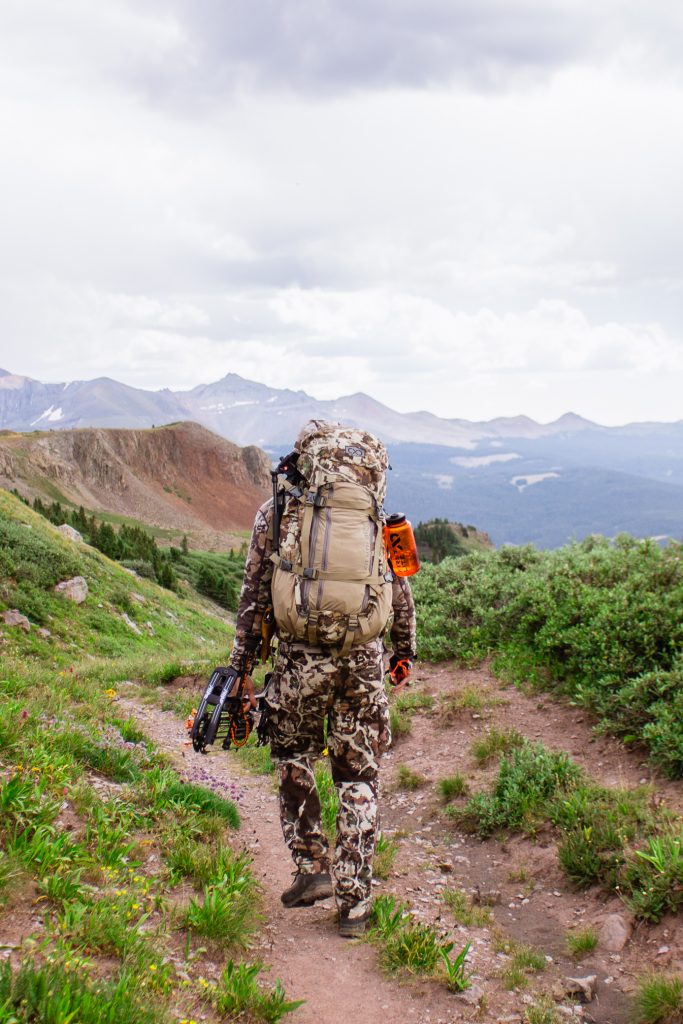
(520, 879)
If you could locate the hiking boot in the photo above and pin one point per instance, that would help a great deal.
(306, 890)
(352, 927)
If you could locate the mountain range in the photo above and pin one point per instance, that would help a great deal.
(519, 480)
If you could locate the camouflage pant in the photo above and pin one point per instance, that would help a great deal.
(310, 688)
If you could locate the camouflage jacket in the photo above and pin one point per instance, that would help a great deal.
(255, 597)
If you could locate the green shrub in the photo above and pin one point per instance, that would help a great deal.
(601, 620)
(527, 780)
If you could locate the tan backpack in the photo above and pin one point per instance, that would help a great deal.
(331, 583)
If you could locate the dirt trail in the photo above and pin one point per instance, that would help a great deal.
(340, 980)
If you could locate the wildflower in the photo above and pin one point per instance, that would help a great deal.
(136, 906)
(111, 693)
(152, 967)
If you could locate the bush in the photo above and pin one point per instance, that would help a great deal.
(602, 621)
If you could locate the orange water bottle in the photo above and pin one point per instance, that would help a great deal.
(401, 547)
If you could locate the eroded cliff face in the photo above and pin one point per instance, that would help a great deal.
(179, 476)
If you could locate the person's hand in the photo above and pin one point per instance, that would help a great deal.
(399, 672)
(248, 692)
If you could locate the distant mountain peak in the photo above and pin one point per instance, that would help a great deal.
(572, 420)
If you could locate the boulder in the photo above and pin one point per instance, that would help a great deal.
(75, 589)
(13, 617)
(70, 533)
(583, 988)
(614, 933)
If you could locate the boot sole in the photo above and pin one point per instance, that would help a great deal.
(353, 932)
(308, 901)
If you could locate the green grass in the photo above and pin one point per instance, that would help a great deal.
(607, 836)
(524, 961)
(400, 724)
(54, 994)
(329, 801)
(659, 1000)
(464, 911)
(237, 995)
(402, 709)
(414, 949)
(542, 1011)
(100, 865)
(227, 915)
(408, 779)
(384, 857)
(451, 787)
(411, 702)
(527, 780)
(582, 942)
(494, 743)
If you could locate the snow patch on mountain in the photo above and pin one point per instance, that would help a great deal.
(522, 482)
(474, 461)
(51, 414)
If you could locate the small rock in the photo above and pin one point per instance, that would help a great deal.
(662, 950)
(614, 933)
(129, 622)
(69, 532)
(472, 995)
(487, 897)
(45, 633)
(584, 988)
(138, 597)
(13, 617)
(445, 866)
(75, 589)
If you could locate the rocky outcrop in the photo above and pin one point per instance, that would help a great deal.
(180, 477)
(69, 532)
(13, 617)
(75, 589)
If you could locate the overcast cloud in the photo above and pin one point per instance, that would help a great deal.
(465, 206)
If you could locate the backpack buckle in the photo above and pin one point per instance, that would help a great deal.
(313, 498)
(285, 564)
(310, 574)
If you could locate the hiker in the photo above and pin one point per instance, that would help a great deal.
(330, 662)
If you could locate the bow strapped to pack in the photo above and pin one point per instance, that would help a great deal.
(331, 582)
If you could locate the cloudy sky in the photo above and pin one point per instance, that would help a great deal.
(467, 206)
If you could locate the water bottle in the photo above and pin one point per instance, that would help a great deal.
(401, 547)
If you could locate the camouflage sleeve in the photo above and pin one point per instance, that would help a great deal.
(403, 627)
(255, 593)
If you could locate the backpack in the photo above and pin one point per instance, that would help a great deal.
(331, 583)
